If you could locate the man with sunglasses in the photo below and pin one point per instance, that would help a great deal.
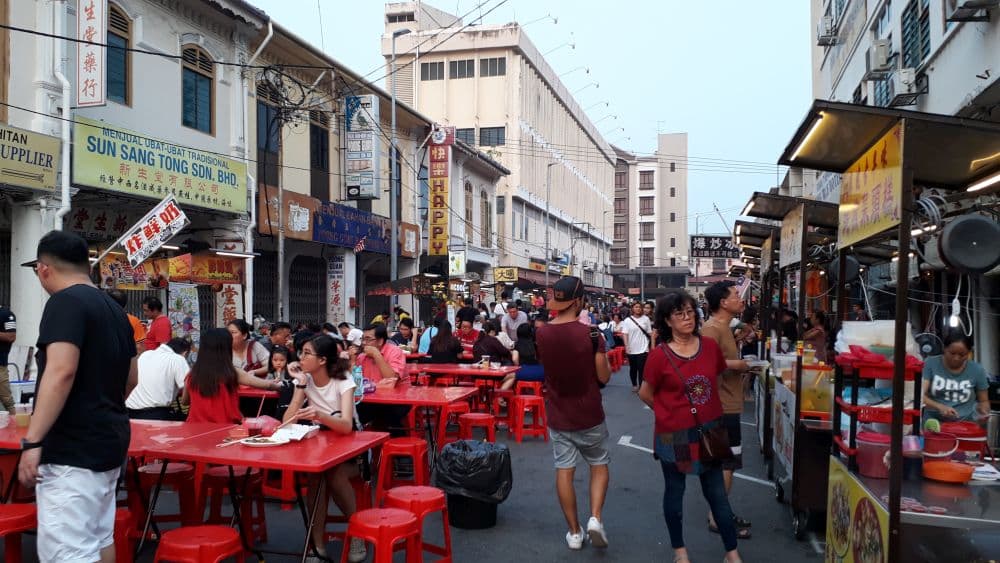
(77, 440)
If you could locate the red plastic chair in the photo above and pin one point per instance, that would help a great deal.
(199, 544)
(451, 410)
(414, 448)
(383, 528)
(523, 387)
(362, 501)
(505, 395)
(215, 488)
(124, 536)
(466, 422)
(181, 478)
(16, 519)
(534, 404)
(422, 501)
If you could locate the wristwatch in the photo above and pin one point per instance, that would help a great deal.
(26, 445)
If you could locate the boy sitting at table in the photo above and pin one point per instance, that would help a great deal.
(322, 379)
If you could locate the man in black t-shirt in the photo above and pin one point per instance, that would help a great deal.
(8, 333)
(466, 313)
(78, 437)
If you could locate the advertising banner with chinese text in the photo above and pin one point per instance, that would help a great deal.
(28, 159)
(210, 269)
(364, 148)
(228, 304)
(116, 272)
(91, 71)
(439, 211)
(184, 313)
(703, 246)
(790, 246)
(119, 160)
(857, 524)
(335, 289)
(154, 230)
(179, 268)
(505, 275)
(870, 190)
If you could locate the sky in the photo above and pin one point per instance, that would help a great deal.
(734, 75)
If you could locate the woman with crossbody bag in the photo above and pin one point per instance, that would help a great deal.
(636, 329)
(680, 386)
(248, 354)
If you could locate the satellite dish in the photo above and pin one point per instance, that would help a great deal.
(851, 272)
(969, 244)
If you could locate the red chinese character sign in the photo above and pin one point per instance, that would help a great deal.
(440, 157)
(228, 304)
(92, 31)
(335, 289)
(153, 231)
(870, 191)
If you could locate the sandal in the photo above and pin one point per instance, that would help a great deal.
(741, 533)
(681, 559)
(740, 522)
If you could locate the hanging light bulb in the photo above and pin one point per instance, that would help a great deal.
(956, 309)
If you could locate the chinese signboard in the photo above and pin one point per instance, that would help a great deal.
(210, 269)
(99, 224)
(179, 268)
(92, 31)
(28, 159)
(505, 275)
(298, 216)
(857, 524)
(870, 190)
(153, 231)
(792, 228)
(440, 210)
(335, 289)
(228, 304)
(363, 146)
(342, 225)
(713, 247)
(127, 162)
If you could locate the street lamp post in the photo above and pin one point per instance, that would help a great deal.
(393, 179)
(604, 251)
(548, 195)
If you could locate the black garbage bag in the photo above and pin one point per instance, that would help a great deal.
(475, 470)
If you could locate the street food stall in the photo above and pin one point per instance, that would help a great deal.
(884, 506)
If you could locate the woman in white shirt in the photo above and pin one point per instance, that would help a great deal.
(323, 381)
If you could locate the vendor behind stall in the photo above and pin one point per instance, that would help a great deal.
(955, 387)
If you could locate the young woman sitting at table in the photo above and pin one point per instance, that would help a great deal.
(527, 358)
(248, 354)
(211, 387)
(323, 382)
(489, 345)
(444, 348)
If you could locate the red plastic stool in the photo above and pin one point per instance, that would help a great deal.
(452, 409)
(181, 478)
(535, 387)
(416, 420)
(124, 536)
(215, 487)
(282, 488)
(466, 422)
(362, 501)
(506, 395)
(414, 448)
(16, 519)
(199, 544)
(383, 527)
(536, 405)
(422, 501)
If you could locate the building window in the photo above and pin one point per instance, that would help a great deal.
(432, 71)
(468, 211)
(621, 231)
(673, 217)
(645, 206)
(673, 166)
(491, 136)
(949, 8)
(860, 96)
(883, 23)
(673, 191)
(493, 67)
(646, 231)
(673, 262)
(268, 136)
(916, 29)
(198, 81)
(646, 180)
(673, 242)
(319, 155)
(645, 256)
(462, 69)
(883, 93)
(486, 222)
(620, 206)
(400, 18)
(618, 256)
(620, 181)
(119, 58)
(467, 136)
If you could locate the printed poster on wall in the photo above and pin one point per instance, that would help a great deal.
(857, 524)
(870, 190)
(183, 312)
(335, 289)
(792, 227)
(228, 304)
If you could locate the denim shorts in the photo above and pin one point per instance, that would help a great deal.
(591, 444)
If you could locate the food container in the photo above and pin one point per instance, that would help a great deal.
(939, 444)
(784, 367)
(885, 351)
(948, 471)
(872, 448)
(971, 437)
(817, 388)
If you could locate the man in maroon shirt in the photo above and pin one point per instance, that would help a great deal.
(159, 324)
(574, 366)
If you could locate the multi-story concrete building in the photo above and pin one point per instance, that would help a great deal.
(492, 84)
(650, 249)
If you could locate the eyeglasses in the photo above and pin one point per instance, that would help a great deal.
(308, 353)
(367, 338)
(683, 314)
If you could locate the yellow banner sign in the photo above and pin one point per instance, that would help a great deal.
(505, 275)
(28, 159)
(437, 238)
(119, 160)
(870, 190)
(857, 525)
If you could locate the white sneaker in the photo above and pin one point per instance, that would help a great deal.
(358, 552)
(574, 541)
(596, 532)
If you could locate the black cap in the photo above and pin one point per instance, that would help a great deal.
(564, 292)
(64, 246)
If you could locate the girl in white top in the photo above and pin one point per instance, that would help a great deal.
(322, 380)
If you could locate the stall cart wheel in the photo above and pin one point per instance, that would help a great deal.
(779, 492)
(800, 524)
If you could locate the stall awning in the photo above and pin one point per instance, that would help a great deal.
(942, 150)
(412, 285)
(774, 207)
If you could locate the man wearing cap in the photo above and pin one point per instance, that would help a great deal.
(575, 364)
(76, 443)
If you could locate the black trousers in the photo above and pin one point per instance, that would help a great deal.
(636, 364)
(155, 413)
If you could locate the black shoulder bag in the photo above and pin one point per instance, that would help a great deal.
(714, 442)
(648, 337)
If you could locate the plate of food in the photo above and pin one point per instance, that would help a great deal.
(264, 441)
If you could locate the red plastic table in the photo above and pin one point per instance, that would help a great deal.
(415, 356)
(247, 392)
(457, 370)
(421, 396)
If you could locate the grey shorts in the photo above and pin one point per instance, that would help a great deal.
(590, 444)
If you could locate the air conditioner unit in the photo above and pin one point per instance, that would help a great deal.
(972, 11)
(877, 63)
(904, 88)
(826, 32)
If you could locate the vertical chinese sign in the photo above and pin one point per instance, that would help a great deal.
(335, 289)
(363, 146)
(440, 157)
(790, 245)
(870, 190)
(228, 304)
(92, 30)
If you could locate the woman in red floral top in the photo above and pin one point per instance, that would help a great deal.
(699, 362)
